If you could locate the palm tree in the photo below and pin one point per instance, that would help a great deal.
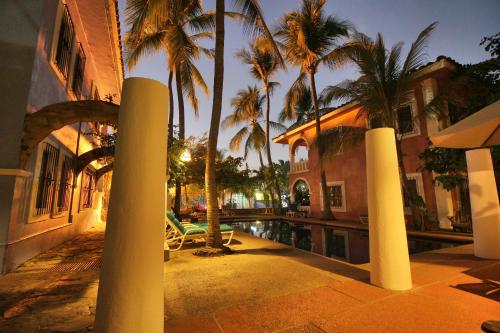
(253, 24)
(247, 109)
(250, 13)
(169, 33)
(302, 110)
(383, 87)
(264, 64)
(310, 38)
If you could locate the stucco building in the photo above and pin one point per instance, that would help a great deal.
(346, 171)
(51, 51)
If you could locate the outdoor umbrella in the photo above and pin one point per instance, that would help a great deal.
(482, 129)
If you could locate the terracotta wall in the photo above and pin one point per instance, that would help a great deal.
(350, 165)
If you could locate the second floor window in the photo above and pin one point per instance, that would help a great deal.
(64, 43)
(46, 180)
(405, 120)
(79, 71)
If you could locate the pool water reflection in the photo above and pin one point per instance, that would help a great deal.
(345, 244)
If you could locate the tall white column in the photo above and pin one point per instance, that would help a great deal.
(130, 297)
(484, 204)
(389, 259)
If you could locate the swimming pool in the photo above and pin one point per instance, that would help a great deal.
(350, 245)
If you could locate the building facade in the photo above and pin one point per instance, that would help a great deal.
(51, 51)
(346, 171)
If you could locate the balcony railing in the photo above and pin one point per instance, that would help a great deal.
(301, 166)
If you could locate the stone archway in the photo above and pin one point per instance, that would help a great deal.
(40, 124)
(92, 155)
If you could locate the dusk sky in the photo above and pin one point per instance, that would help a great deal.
(462, 24)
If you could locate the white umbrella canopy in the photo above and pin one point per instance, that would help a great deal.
(481, 129)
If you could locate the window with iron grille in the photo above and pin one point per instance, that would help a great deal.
(88, 188)
(405, 120)
(65, 183)
(336, 198)
(78, 73)
(64, 43)
(47, 179)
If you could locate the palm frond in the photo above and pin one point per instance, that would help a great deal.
(235, 142)
(292, 98)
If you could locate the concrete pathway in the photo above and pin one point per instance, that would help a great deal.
(263, 287)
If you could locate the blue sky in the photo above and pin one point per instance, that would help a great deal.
(462, 24)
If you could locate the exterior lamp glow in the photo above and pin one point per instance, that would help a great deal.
(186, 156)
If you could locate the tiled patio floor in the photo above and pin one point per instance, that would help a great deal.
(263, 287)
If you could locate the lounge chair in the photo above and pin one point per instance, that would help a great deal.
(178, 233)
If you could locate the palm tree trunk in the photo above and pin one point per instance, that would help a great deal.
(326, 214)
(261, 160)
(180, 102)
(268, 150)
(170, 105)
(182, 134)
(214, 238)
(262, 168)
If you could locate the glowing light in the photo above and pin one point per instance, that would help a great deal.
(259, 196)
(186, 156)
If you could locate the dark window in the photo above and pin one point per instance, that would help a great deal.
(65, 182)
(405, 120)
(79, 71)
(335, 192)
(88, 188)
(64, 43)
(412, 183)
(47, 179)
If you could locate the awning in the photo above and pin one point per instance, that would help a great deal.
(481, 129)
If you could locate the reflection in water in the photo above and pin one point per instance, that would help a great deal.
(276, 231)
(348, 245)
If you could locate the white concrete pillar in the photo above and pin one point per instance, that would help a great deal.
(389, 259)
(130, 297)
(484, 204)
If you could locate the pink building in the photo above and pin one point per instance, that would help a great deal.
(346, 171)
(51, 51)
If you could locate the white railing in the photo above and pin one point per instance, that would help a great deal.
(301, 166)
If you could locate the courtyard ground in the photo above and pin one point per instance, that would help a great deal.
(262, 287)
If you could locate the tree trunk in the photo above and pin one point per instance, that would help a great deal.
(269, 159)
(182, 135)
(408, 191)
(180, 103)
(326, 213)
(170, 105)
(177, 199)
(214, 238)
(262, 168)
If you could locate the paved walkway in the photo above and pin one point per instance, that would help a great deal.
(263, 287)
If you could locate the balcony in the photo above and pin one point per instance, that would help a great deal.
(301, 166)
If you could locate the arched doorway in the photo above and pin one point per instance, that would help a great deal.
(301, 193)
